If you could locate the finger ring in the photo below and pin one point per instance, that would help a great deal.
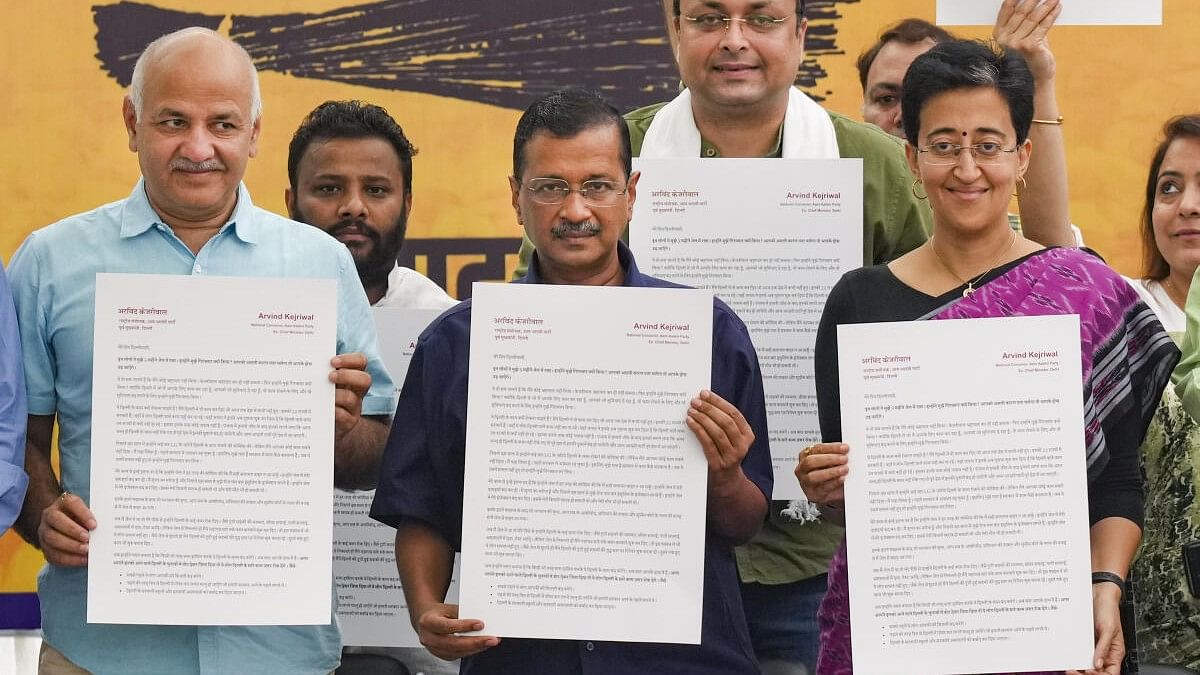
(63, 496)
(806, 452)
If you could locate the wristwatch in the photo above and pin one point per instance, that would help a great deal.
(1109, 577)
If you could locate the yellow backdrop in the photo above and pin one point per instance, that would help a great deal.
(66, 148)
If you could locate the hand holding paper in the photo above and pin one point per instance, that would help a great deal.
(735, 505)
(352, 381)
(424, 561)
(439, 628)
(723, 434)
(821, 470)
(63, 531)
(1110, 641)
(357, 442)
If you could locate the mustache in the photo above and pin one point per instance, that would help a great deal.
(584, 227)
(184, 164)
(354, 226)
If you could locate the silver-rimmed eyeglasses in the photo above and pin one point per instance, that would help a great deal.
(556, 190)
(946, 153)
(712, 22)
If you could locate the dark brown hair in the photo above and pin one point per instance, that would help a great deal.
(1183, 126)
(909, 32)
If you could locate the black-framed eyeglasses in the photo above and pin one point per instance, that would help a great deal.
(946, 153)
(556, 191)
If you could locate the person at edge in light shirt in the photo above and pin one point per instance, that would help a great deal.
(193, 117)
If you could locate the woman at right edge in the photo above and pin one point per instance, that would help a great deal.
(968, 148)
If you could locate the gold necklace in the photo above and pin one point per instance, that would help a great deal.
(971, 282)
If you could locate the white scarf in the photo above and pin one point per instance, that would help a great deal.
(807, 130)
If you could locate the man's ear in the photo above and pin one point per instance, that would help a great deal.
(514, 186)
(287, 201)
(675, 42)
(631, 194)
(254, 132)
(130, 116)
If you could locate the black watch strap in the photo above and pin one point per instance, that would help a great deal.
(1109, 577)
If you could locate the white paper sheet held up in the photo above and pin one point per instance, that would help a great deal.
(771, 244)
(371, 604)
(966, 502)
(212, 450)
(585, 492)
(1074, 12)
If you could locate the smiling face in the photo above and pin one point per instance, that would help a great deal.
(968, 196)
(195, 133)
(1176, 211)
(739, 67)
(353, 188)
(575, 241)
(881, 104)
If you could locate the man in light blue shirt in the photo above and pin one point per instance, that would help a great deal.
(192, 116)
(12, 412)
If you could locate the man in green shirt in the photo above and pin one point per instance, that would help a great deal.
(738, 60)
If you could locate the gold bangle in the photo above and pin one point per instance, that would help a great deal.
(1056, 122)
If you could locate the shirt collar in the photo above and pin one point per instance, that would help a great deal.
(708, 150)
(633, 277)
(138, 216)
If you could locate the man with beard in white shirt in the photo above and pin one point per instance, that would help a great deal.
(350, 174)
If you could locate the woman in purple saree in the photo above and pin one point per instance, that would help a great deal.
(970, 110)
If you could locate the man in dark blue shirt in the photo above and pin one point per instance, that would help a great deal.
(573, 191)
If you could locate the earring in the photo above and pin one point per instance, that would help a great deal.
(914, 190)
(1024, 185)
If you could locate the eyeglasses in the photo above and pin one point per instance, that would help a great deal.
(713, 22)
(556, 191)
(946, 153)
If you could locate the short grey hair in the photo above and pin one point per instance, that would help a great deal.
(138, 84)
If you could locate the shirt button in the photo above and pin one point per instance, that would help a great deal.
(197, 269)
(590, 647)
(709, 152)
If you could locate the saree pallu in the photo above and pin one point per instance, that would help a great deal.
(1127, 360)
